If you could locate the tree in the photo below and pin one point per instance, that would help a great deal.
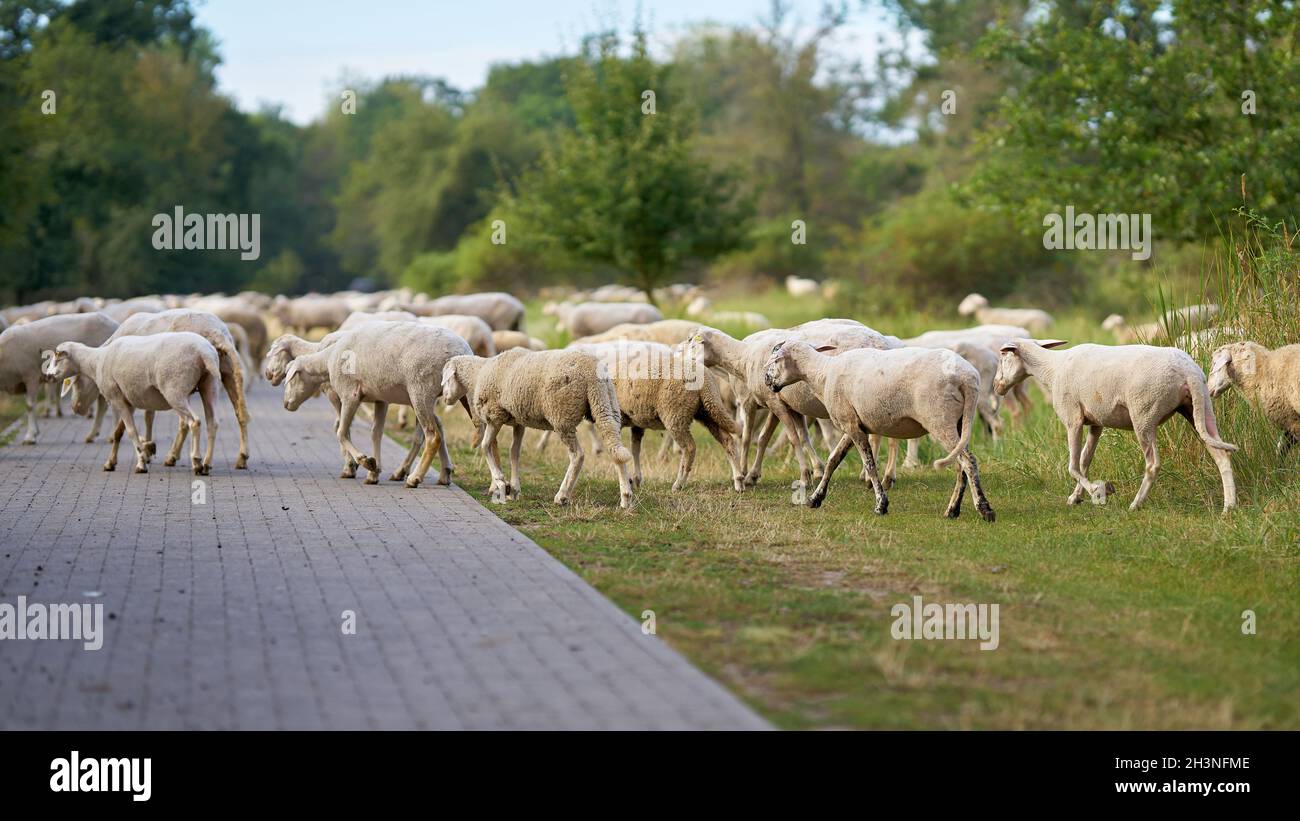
(624, 187)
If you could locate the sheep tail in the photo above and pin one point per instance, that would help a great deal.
(608, 418)
(711, 399)
(235, 387)
(1203, 415)
(971, 395)
(212, 364)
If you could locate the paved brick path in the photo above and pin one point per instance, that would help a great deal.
(228, 615)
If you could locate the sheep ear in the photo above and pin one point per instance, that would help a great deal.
(1009, 347)
(825, 348)
(67, 387)
(1051, 343)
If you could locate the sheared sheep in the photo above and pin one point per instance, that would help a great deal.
(383, 363)
(991, 337)
(745, 360)
(476, 332)
(546, 390)
(121, 311)
(245, 311)
(152, 373)
(1269, 379)
(1175, 323)
(1130, 387)
(358, 318)
(501, 311)
(986, 363)
(660, 388)
(22, 348)
(505, 340)
(301, 314)
(217, 334)
(901, 393)
(801, 286)
(1031, 318)
(665, 332)
(590, 318)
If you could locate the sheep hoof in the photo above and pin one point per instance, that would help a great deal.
(89, 439)
(987, 514)
(751, 480)
(371, 479)
(512, 495)
(625, 501)
(29, 440)
(815, 500)
(888, 482)
(141, 468)
(369, 463)
(170, 461)
(347, 474)
(561, 499)
(882, 507)
(413, 483)
(398, 475)
(150, 448)
(242, 462)
(110, 466)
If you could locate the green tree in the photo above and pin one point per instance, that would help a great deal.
(624, 188)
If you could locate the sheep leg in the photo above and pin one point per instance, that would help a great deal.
(1097, 490)
(516, 443)
(913, 458)
(728, 443)
(686, 442)
(208, 396)
(377, 439)
(795, 430)
(576, 458)
(234, 384)
(1284, 444)
(596, 447)
(664, 446)
(637, 435)
(756, 470)
(959, 490)
(1146, 436)
(543, 441)
(350, 405)
(433, 440)
(174, 452)
(100, 404)
(149, 447)
(417, 445)
(805, 438)
(54, 391)
(1223, 461)
(141, 460)
(1085, 461)
(115, 439)
(816, 498)
(891, 466)
(497, 485)
(32, 387)
(863, 442)
(971, 470)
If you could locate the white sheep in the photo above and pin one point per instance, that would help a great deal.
(22, 348)
(1269, 379)
(358, 318)
(505, 340)
(121, 311)
(991, 337)
(245, 311)
(1032, 318)
(801, 286)
(152, 373)
(590, 318)
(985, 362)
(902, 393)
(665, 332)
(1130, 387)
(301, 314)
(474, 330)
(218, 335)
(501, 311)
(382, 363)
(660, 388)
(745, 360)
(545, 390)
(1180, 321)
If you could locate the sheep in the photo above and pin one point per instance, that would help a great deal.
(1032, 318)
(991, 337)
(590, 318)
(22, 348)
(665, 332)
(301, 314)
(501, 311)
(1130, 387)
(121, 311)
(383, 363)
(701, 308)
(801, 286)
(660, 388)
(505, 340)
(1269, 379)
(1179, 321)
(470, 328)
(547, 390)
(218, 335)
(744, 360)
(901, 393)
(986, 364)
(38, 310)
(245, 350)
(244, 311)
(154, 372)
(357, 318)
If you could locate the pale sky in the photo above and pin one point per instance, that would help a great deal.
(295, 53)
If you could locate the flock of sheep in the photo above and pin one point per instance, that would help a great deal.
(629, 367)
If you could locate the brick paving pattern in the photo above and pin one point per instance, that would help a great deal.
(228, 615)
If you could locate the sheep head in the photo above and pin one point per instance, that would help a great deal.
(1229, 364)
(1011, 366)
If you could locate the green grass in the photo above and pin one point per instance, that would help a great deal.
(1109, 619)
